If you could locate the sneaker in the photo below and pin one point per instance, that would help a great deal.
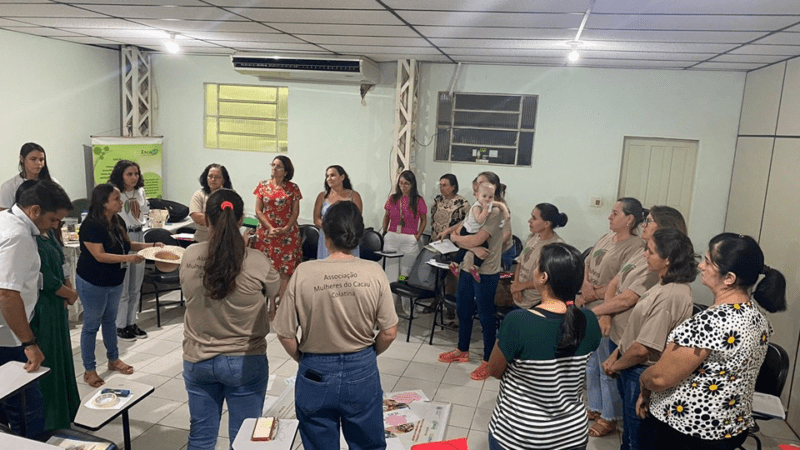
(125, 334)
(138, 332)
(474, 272)
(454, 356)
(481, 373)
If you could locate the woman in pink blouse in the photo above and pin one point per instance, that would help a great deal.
(404, 223)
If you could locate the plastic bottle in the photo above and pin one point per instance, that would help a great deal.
(83, 215)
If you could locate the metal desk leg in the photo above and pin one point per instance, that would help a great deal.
(24, 409)
(126, 430)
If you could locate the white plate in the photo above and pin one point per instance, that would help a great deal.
(150, 253)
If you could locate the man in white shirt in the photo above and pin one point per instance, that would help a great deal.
(39, 209)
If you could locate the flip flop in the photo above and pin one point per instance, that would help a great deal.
(120, 367)
(93, 379)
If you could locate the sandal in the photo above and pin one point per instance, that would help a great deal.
(454, 356)
(602, 427)
(592, 415)
(120, 367)
(93, 379)
(481, 373)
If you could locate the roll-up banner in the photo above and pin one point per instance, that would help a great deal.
(145, 151)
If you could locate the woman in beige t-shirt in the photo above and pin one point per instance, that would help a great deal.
(338, 302)
(544, 218)
(214, 177)
(605, 261)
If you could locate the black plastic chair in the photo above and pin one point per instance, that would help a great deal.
(697, 307)
(309, 237)
(160, 281)
(371, 243)
(771, 380)
(420, 285)
(448, 302)
(79, 205)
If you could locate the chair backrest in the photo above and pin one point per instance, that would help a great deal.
(309, 236)
(697, 307)
(79, 205)
(774, 371)
(371, 242)
(423, 275)
(587, 252)
(517, 245)
(160, 235)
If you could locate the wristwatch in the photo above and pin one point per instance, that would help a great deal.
(29, 343)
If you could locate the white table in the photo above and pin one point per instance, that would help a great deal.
(94, 419)
(283, 439)
(15, 380)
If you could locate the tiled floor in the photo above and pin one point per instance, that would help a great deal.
(161, 421)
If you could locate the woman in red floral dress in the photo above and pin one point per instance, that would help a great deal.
(277, 207)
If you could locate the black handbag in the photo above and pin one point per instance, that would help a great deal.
(177, 211)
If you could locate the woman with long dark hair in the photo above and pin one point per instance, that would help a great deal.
(540, 357)
(338, 188)
(700, 391)
(214, 177)
(127, 177)
(104, 259)
(226, 322)
(670, 254)
(32, 166)
(405, 220)
(338, 302)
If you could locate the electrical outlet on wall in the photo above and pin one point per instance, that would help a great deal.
(597, 202)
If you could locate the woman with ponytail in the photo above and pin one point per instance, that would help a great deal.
(338, 302)
(540, 357)
(701, 390)
(226, 286)
(670, 254)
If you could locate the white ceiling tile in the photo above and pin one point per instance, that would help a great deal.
(206, 25)
(670, 36)
(762, 59)
(90, 23)
(268, 45)
(164, 12)
(345, 30)
(246, 37)
(497, 33)
(697, 7)
(781, 39)
(728, 66)
(45, 32)
(628, 64)
(117, 34)
(160, 42)
(88, 40)
(687, 22)
(499, 43)
(138, 2)
(205, 51)
(360, 50)
(795, 28)
(753, 49)
(505, 52)
(358, 40)
(14, 23)
(394, 57)
(463, 19)
(42, 10)
(342, 16)
(657, 47)
(313, 4)
(660, 56)
(576, 6)
(29, 2)
(511, 60)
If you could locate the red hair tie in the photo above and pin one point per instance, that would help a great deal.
(226, 205)
(570, 303)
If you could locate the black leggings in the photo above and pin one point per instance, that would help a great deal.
(672, 439)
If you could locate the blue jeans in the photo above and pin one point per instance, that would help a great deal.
(494, 445)
(340, 389)
(471, 295)
(239, 380)
(638, 433)
(601, 390)
(100, 305)
(34, 402)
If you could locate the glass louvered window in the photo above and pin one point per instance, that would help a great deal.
(486, 128)
(251, 118)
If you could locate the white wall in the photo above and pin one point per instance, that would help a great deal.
(327, 125)
(56, 94)
(583, 117)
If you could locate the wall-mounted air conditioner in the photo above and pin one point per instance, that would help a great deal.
(323, 69)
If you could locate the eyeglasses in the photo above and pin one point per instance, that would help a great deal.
(214, 177)
(648, 221)
(277, 167)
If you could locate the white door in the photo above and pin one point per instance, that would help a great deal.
(659, 172)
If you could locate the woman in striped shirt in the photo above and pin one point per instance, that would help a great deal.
(540, 356)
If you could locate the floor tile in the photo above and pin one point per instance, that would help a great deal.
(458, 395)
(153, 409)
(460, 416)
(162, 438)
(412, 384)
(776, 429)
(455, 432)
(173, 389)
(478, 440)
(388, 382)
(391, 366)
(480, 421)
(487, 400)
(427, 372)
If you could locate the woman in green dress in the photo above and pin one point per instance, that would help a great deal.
(49, 323)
